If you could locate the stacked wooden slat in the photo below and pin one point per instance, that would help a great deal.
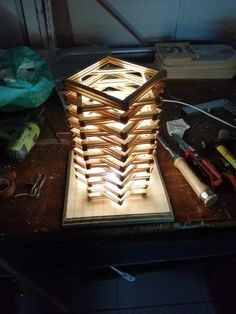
(113, 111)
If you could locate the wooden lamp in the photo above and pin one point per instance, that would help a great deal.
(113, 111)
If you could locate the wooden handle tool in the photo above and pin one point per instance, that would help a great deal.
(201, 189)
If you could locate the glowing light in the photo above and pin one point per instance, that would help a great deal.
(113, 118)
(112, 176)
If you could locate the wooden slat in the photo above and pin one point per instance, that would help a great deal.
(95, 94)
(62, 24)
(145, 87)
(134, 67)
(125, 116)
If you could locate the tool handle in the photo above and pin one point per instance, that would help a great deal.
(205, 166)
(201, 189)
(211, 172)
(227, 155)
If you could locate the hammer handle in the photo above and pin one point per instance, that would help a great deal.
(200, 188)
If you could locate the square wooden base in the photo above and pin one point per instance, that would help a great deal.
(154, 207)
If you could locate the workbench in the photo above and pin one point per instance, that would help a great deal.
(26, 216)
(33, 240)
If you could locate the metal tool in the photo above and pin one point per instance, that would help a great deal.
(215, 178)
(201, 189)
(36, 188)
(124, 275)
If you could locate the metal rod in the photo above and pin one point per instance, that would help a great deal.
(122, 21)
(90, 51)
(133, 50)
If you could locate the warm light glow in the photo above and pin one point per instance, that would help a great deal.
(113, 116)
(111, 176)
(118, 94)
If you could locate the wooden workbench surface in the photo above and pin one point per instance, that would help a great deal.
(187, 208)
(25, 215)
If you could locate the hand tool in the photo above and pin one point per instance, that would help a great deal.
(201, 189)
(21, 135)
(202, 163)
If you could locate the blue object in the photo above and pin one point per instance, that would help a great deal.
(25, 80)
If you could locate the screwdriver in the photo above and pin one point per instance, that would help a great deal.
(202, 190)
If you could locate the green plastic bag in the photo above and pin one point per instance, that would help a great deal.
(25, 80)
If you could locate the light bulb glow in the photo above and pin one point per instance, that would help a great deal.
(113, 116)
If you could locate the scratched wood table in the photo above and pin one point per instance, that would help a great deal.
(188, 210)
(25, 215)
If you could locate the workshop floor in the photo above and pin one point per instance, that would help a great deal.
(165, 291)
(189, 288)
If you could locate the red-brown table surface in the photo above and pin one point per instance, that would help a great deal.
(25, 215)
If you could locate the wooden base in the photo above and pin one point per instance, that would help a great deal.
(154, 207)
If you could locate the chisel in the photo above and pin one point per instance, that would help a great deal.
(202, 190)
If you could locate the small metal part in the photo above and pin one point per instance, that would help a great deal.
(185, 146)
(36, 188)
(209, 198)
(124, 275)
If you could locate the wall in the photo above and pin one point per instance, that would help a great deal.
(153, 20)
(11, 33)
